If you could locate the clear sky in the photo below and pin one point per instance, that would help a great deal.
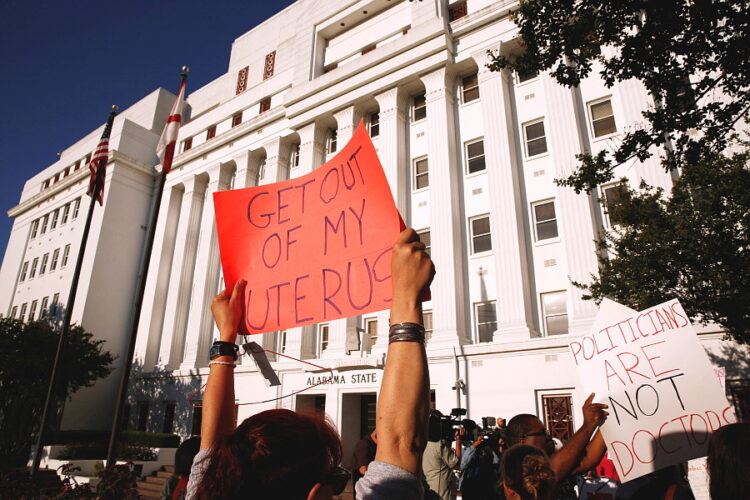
(63, 63)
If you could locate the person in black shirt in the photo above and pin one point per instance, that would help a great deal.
(364, 453)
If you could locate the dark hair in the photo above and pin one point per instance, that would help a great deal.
(527, 471)
(274, 454)
(183, 457)
(729, 461)
(518, 427)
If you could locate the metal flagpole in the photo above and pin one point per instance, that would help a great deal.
(141, 290)
(98, 186)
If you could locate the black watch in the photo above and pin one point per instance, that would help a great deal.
(221, 348)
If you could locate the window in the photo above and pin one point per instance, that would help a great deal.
(281, 342)
(294, 160)
(34, 228)
(34, 265)
(265, 105)
(168, 425)
(13, 312)
(602, 118)
(66, 172)
(545, 220)
(76, 206)
(45, 221)
(536, 142)
(22, 317)
(54, 305)
(55, 258)
(45, 185)
(142, 415)
(524, 76)
(475, 156)
(613, 195)
(24, 270)
(371, 330)
(53, 221)
(242, 80)
(424, 237)
(269, 64)
(420, 107)
(187, 144)
(470, 86)
(481, 240)
(457, 10)
(211, 132)
(332, 140)
(427, 323)
(486, 320)
(374, 124)
(558, 415)
(197, 418)
(236, 119)
(323, 338)
(56, 178)
(65, 214)
(421, 174)
(43, 311)
(555, 312)
(32, 311)
(66, 253)
(43, 267)
(77, 165)
(87, 159)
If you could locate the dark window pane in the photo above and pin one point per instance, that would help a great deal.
(546, 230)
(523, 76)
(557, 325)
(480, 226)
(605, 126)
(482, 243)
(544, 211)
(537, 147)
(534, 130)
(476, 165)
(475, 149)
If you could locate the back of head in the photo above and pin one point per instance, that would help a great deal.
(729, 461)
(183, 457)
(526, 470)
(274, 454)
(518, 427)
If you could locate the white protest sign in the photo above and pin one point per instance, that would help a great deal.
(664, 397)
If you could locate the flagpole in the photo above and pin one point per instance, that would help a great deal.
(98, 186)
(122, 394)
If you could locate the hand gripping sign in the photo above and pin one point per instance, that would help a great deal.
(315, 248)
(664, 397)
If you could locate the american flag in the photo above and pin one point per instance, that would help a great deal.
(168, 140)
(101, 153)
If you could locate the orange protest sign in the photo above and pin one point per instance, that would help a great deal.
(315, 248)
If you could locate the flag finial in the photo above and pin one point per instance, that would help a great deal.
(115, 107)
(185, 69)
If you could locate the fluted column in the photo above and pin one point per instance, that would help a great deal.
(508, 215)
(199, 331)
(393, 156)
(446, 214)
(576, 218)
(181, 279)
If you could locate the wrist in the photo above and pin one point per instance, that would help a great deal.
(406, 308)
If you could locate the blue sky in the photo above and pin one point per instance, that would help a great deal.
(63, 63)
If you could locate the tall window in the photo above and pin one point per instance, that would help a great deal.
(470, 88)
(420, 107)
(66, 254)
(374, 124)
(475, 156)
(236, 119)
(323, 338)
(45, 221)
(43, 311)
(211, 132)
(481, 239)
(332, 140)
(281, 342)
(142, 415)
(424, 237)
(536, 142)
(197, 418)
(486, 320)
(602, 118)
(524, 76)
(613, 195)
(421, 174)
(545, 220)
(55, 216)
(65, 214)
(187, 144)
(55, 258)
(53, 307)
(555, 312)
(43, 267)
(32, 311)
(427, 323)
(294, 160)
(24, 270)
(265, 105)
(371, 330)
(34, 228)
(34, 265)
(76, 207)
(169, 410)
(24, 306)
(13, 312)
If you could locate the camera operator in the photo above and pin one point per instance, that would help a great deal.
(479, 463)
(439, 458)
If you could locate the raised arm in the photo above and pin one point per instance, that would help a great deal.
(218, 401)
(403, 404)
(593, 455)
(570, 456)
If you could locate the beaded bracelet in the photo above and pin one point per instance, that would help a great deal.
(225, 363)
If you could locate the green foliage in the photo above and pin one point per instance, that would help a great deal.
(27, 351)
(135, 438)
(662, 43)
(694, 246)
(93, 451)
(118, 483)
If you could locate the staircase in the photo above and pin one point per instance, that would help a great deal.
(150, 486)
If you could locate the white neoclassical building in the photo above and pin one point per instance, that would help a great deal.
(470, 155)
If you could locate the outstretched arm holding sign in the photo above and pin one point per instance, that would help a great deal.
(580, 454)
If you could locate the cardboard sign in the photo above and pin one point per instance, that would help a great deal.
(664, 397)
(315, 248)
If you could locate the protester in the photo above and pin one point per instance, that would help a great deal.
(591, 486)
(364, 453)
(729, 462)
(669, 483)
(439, 460)
(479, 465)
(280, 454)
(527, 473)
(175, 488)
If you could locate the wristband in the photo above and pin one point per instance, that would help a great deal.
(406, 332)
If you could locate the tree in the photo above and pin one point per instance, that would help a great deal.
(693, 57)
(694, 245)
(26, 354)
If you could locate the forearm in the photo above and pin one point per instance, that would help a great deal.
(594, 452)
(217, 418)
(565, 460)
(403, 403)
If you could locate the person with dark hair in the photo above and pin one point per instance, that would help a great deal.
(175, 488)
(729, 462)
(439, 460)
(527, 473)
(364, 453)
(281, 454)
(479, 468)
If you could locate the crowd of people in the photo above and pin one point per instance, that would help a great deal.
(281, 454)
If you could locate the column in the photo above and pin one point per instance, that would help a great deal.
(508, 215)
(392, 154)
(181, 278)
(205, 282)
(449, 318)
(277, 161)
(576, 219)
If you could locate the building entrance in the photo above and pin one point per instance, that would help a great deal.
(357, 420)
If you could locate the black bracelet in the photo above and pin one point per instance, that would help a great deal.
(406, 337)
(406, 326)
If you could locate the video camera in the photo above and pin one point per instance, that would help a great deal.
(444, 427)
